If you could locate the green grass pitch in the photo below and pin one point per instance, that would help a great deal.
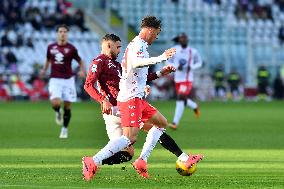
(243, 144)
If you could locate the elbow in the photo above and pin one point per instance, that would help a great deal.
(86, 87)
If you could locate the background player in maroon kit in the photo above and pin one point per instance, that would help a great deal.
(105, 71)
(61, 84)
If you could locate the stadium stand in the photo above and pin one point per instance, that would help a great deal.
(224, 31)
(26, 29)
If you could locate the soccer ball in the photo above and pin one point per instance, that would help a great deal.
(183, 170)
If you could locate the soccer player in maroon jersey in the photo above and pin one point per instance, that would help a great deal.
(61, 83)
(105, 71)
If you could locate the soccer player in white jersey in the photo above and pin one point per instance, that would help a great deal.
(135, 111)
(185, 61)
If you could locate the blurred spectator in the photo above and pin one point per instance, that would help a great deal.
(38, 91)
(20, 40)
(263, 83)
(62, 6)
(219, 79)
(29, 43)
(79, 20)
(10, 60)
(5, 41)
(18, 89)
(281, 34)
(234, 81)
(278, 87)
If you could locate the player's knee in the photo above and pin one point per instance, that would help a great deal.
(55, 103)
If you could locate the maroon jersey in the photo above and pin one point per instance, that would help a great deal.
(60, 57)
(106, 72)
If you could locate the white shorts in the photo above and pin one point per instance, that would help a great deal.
(113, 124)
(62, 88)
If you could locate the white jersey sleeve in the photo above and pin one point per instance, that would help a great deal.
(196, 61)
(135, 70)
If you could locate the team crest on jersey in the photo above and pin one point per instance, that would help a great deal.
(66, 50)
(94, 68)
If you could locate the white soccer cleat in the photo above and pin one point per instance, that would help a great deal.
(63, 133)
(58, 118)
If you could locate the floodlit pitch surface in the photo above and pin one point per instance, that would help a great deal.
(243, 144)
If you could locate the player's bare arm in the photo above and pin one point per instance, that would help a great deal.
(169, 53)
(45, 68)
(167, 70)
(81, 72)
(106, 106)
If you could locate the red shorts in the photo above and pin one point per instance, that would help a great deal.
(135, 112)
(183, 88)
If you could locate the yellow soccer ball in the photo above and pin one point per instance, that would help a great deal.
(183, 170)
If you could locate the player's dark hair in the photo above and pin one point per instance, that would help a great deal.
(151, 22)
(62, 26)
(111, 37)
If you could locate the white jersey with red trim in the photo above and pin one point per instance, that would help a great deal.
(135, 66)
(185, 60)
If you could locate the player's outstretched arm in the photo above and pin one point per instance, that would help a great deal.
(142, 62)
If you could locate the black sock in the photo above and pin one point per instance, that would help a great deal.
(56, 108)
(168, 142)
(66, 117)
(117, 158)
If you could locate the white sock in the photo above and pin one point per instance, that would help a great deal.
(191, 104)
(183, 157)
(151, 141)
(179, 111)
(112, 147)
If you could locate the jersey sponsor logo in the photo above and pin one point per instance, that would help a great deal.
(140, 52)
(59, 58)
(94, 68)
(54, 50)
(182, 62)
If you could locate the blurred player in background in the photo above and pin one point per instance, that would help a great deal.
(135, 111)
(185, 60)
(61, 83)
(263, 77)
(105, 71)
(219, 79)
(234, 81)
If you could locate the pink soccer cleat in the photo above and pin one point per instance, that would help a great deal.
(89, 168)
(141, 167)
(193, 159)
